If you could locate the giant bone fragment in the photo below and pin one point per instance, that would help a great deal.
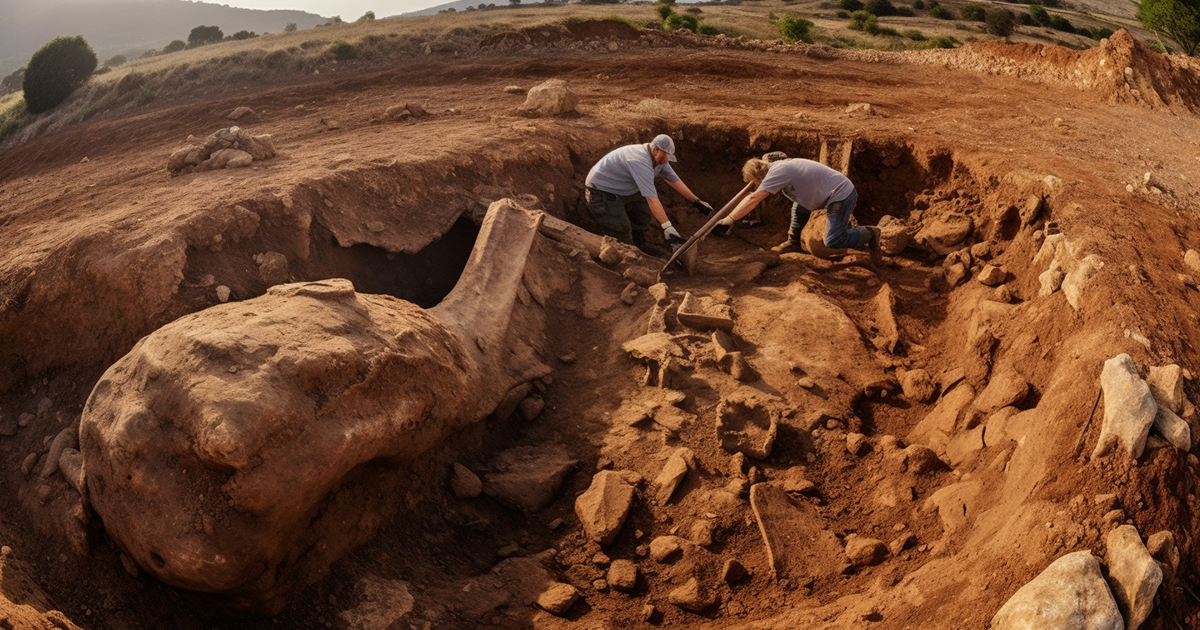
(261, 419)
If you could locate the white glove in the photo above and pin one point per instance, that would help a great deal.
(670, 232)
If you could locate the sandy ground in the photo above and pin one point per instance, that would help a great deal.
(101, 251)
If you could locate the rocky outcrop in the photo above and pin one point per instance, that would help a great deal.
(227, 148)
(1070, 594)
(1129, 409)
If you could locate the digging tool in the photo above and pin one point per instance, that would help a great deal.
(702, 232)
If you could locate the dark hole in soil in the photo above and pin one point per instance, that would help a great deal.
(423, 278)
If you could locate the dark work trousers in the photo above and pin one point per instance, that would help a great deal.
(624, 218)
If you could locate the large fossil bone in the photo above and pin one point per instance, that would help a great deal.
(218, 452)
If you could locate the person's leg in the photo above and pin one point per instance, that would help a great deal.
(838, 234)
(609, 212)
(638, 213)
(799, 220)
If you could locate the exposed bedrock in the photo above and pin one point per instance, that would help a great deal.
(223, 451)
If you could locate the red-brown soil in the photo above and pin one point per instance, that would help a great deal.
(99, 253)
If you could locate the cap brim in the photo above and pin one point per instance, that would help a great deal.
(671, 157)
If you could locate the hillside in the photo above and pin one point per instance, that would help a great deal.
(126, 27)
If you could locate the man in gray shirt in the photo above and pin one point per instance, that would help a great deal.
(621, 193)
(811, 186)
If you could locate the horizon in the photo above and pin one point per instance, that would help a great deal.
(348, 11)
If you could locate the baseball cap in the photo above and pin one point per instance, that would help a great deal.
(664, 143)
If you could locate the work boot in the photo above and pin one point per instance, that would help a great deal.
(787, 247)
(873, 243)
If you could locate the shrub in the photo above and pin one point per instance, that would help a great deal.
(882, 8)
(842, 13)
(666, 2)
(694, 10)
(369, 16)
(624, 20)
(115, 61)
(940, 41)
(202, 35)
(1039, 15)
(919, 5)
(1060, 23)
(291, 27)
(664, 11)
(1024, 19)
(240, 35)
(707, 29)
(676, 21)
(1101, 33)
(913, 34)
(850, 5)
(148, 54)
(174, 46)
(11, 119)
(342, 50)
(55, 71)
(862, 21)
(941, 13)
(1179, 19)
(905, 12)
(974, 13)
(795, 28)
(1000, 22)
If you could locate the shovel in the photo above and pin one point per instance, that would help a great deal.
(703, 231)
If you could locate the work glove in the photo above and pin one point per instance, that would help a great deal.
(669, 232)
(702, 207)
(720, 229)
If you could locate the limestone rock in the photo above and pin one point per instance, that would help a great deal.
(602, 508)
(665, 548)
(558, 598)
(1075, 280)
(464, 483)
(692, 596)
(1050, 280)
(856, 444)
(1006, 389)
(1166, 384)
(672, 474)
(528, 477)
(514, 89)
(381, 604)
(917, 386)
(273, 269)
(397, 112)
(942, 235)
(704, 313)
(1175, 429)
(1192, 259)
(1162, 546)
(1129, 408)
(1070, 594)
(622, 575)
(733, 572)
(893, 236)
(861, 109)
(740, 368)
(240, 113)
(813, 237)
(1132, 573)
(864, 552)
(798, 542)
(550, 98)
(416, 109)
(921, 460)
(992, 275)
(747, 424)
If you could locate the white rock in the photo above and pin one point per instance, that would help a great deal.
(1129, 408)
(223, 293)
(1074, 282)
(1192, 260)
(1166, 383)
(1070, 594)
(1174, 428)
(672, 474)
(1133, 574)
(550, 98)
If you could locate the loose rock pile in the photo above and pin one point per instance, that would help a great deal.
(227, 148)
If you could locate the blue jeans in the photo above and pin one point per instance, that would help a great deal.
(838, 234)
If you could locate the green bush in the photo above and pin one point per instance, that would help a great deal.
(862, 21)
(918, 5)
(244, 35)
(905, 12)
(941, 13)
(664, 11)
(1178, 19)
(795, 28)
(369, 16)
(290, 27)
(882, 8)
(115, 61)
(174, 46)
(1039, 15)
(1000, 22)
(1060, 23)
(707, 29)
(850, 5)
(202, 35)
(940, 41)
(1101, 33)
(624, 20)
(974, 13)
(11, 119)
(842, 13)
(55, 71)
(1025, 20)
(342, 50)
(676, 21)
(913, 34)
(694, 10)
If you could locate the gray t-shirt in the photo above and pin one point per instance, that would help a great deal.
(810, 184)
(629, 170)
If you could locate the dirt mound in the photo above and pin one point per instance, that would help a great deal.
(1121, 69)
(550, 34)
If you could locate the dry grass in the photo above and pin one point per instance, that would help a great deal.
(236, 65)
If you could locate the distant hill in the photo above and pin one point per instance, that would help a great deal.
(125, 26)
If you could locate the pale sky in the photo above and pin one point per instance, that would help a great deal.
(350, 10)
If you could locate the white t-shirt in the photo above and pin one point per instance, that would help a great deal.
(810, 184)
(629, 170)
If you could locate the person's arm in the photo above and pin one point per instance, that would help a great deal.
(656, 210)
(748, 203)
(682, 189)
